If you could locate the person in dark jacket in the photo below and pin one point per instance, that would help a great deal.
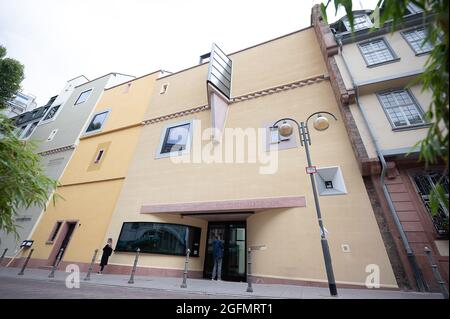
(217, 255)
(107, 251)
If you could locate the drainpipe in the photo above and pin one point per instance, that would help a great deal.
(409, 252)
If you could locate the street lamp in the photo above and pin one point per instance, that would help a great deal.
(321, 123)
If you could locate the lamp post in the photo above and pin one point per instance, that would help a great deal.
(321, 123)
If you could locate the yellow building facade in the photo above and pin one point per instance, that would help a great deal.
(93, 179)
(259, 201)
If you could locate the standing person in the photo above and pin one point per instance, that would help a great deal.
(217, 255)
(107, 251)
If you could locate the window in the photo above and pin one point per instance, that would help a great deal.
(164, 88)
(20, 130)
(416, 40)
(425, 183)
(376, 52)
(97, 122)
(52, 135)
(401, 109)
(175, 139)
(83, 97)
(99, 156)
(30, 130)
(159, 238)
(55, 232)
(359, 22)
(51, 114)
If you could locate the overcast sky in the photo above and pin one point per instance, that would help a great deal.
(58, 40)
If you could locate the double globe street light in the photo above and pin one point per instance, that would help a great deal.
(321, 123)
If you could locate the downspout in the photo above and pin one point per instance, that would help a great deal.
(409, 252)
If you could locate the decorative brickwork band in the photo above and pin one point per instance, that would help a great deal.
(58, 150)
(241, 98)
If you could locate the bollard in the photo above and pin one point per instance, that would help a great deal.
(436, 273)
(249, 271)
(131, 281)
(3, 256)
(25, 263)
(186, 262)
(55, 266)
(91, 266)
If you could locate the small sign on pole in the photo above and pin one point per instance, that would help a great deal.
(311, 170)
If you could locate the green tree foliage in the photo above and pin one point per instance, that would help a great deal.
(22, 180)
(434, 147)
(11, 75)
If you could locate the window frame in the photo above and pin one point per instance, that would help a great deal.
(55, 231)
(52, 135)
(196, 228)
(416, 103)
(78, 103)
(43, 120)
(423, 198)
(409, 43)
(107, 111)
(395, 57)
(348, 26)
(164, 133)
(22, 135)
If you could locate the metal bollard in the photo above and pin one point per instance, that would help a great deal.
(249, 271)
(436, 273)
(186, 262)
(91, 266)
(3, 256)
(131, 281)
(25, 263)
(55, 266)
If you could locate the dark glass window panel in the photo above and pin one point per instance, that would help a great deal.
(30, 129)
(58, 226)
(176, 138)
(97, 122)
(159, 238)
(52, 112)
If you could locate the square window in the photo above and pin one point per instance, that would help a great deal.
(97, 122)
(83, 97)
(416, 40)
(376, 52)
(176, 138)
(401, 108)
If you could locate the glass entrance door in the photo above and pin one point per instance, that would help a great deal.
(232, 234)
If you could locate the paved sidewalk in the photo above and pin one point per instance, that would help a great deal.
(209, 287)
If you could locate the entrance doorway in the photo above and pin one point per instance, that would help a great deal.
(234, 263)
(70, 227)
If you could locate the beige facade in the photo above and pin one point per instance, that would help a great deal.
(398, 74)
(291, 235)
